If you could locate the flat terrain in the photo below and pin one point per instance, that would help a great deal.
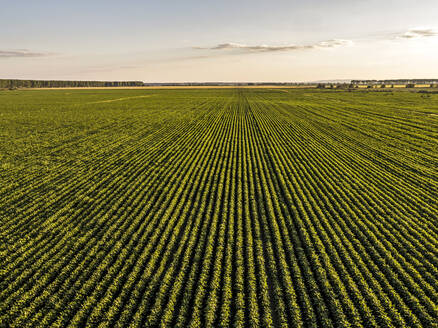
(218, 208)
(186, 87)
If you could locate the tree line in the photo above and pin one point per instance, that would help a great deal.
(12, 84)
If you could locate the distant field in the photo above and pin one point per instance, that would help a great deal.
(182, 87)
(230, 207)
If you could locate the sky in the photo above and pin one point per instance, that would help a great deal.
(228, 40)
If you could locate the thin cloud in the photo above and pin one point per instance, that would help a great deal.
(272, 48)
(21, 53)
(418, 33)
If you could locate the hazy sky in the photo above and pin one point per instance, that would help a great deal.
(239, 40)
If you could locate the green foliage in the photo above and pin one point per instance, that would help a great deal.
(14, 84)
(218, 208)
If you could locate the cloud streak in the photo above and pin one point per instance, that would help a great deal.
(418, 33)
(273, 48)
(21, 53)
(414, 33)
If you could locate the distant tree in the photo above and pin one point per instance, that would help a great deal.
(410, 85)
(10, 83)
(344, 86)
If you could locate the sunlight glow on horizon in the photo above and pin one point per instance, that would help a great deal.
(228, 42)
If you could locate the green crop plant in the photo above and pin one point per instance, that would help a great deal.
(218, 207)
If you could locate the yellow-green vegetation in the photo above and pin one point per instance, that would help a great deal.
(218, 208)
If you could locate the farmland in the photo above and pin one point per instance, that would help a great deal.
(218, 208)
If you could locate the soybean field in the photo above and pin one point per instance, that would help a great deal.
(218, 208)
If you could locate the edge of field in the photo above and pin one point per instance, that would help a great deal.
(182, 87)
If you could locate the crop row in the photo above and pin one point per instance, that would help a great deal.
(220, 208)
